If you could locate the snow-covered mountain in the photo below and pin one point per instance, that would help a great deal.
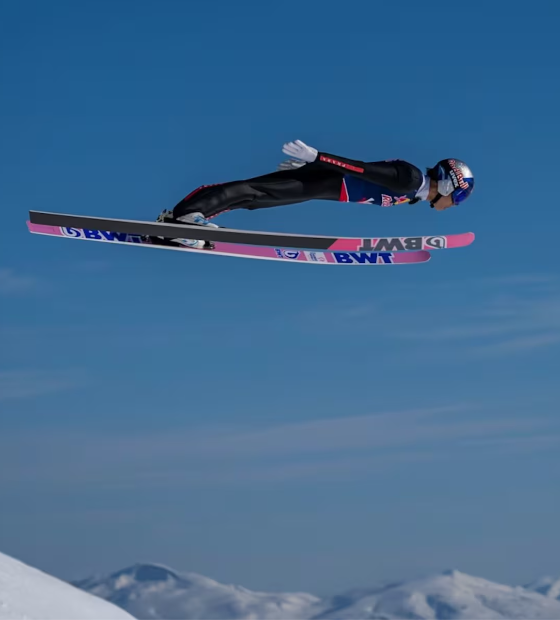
(155, 592)
(449, 595)
(29, 594)
(151, 591)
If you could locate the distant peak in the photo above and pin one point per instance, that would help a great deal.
(149, 572)
(451, 572)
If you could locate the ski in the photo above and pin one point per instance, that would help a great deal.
(271, 239)
(313, 257)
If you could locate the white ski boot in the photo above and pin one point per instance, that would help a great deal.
(191, 218)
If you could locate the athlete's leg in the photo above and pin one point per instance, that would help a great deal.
(271, 190)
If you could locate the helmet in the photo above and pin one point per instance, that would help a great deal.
(454, 178)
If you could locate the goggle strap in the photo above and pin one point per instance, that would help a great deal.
(437, 197)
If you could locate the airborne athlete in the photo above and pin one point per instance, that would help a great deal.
(314, 175)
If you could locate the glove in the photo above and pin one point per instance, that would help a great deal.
(291, 164)
(300, 150)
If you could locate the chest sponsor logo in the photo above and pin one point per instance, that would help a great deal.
(399, 200)
(389, 201)
(386, 201)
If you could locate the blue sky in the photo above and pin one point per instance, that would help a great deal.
(280, 426)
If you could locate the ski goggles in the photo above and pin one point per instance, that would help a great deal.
(446, 188)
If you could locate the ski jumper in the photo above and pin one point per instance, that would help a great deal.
(329, 177)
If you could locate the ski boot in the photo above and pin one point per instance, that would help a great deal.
(191, 218)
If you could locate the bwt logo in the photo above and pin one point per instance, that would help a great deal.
(435, 243)
(100, 235)
(289, 254)
(402, 244)
(361, 258)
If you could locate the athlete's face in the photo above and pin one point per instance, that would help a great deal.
(444, 202)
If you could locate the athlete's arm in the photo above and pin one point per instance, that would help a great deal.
(398, 175)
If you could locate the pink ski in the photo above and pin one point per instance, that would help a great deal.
(347, 257)
(253, 237)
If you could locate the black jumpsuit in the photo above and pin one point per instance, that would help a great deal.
(321, 180)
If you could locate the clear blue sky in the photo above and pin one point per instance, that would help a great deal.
(279, 426)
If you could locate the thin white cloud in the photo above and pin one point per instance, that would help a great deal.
(497, 316)
(311, 437)
(12, 283)
(317, 449)
(520, 279)
(531, 442)
(24, 384)
(92, 266)
(502, 326)
(520, 344)
(333, 468)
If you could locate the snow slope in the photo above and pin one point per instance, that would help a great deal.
(29, 594)
(155, 592)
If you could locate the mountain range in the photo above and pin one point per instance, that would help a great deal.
(156, 592)
(151, 591)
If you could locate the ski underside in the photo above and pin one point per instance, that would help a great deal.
(318, 250)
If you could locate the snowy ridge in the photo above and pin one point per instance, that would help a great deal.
(154, 591)
(150, 591)
(449, 595)
(29, 594)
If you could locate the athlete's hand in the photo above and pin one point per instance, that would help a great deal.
(300, 150)
(291, 164)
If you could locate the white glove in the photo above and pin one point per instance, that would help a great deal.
(291, 164)
(300, 150)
